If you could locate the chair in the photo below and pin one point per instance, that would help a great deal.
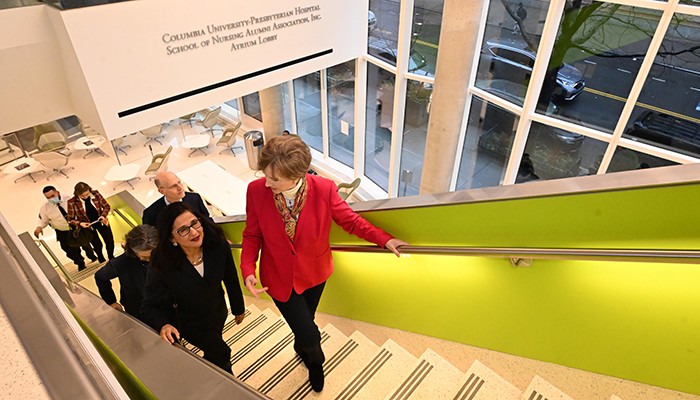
(57, 162)
(159, 162)
(119, 145)
(6, 146)
(51, 141)
(228, 139)
(189, 118)
(152, 134)
(346, 189)
(210, 121)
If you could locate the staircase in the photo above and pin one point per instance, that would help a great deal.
(357, 368)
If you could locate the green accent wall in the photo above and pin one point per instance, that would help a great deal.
(637, 321)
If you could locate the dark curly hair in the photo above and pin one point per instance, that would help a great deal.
(167, 257)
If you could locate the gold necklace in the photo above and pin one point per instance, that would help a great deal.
(197, 261)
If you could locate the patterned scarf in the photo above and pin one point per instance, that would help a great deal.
(290, 216)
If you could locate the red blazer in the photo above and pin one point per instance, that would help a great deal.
(76, 209)
(307, 262)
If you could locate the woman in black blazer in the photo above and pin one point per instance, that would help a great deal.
(183, 295)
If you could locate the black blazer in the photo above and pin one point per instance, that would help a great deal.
(194, 200)
(132, 278)
(188, 301)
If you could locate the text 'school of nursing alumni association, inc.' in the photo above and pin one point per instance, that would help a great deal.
(251, 34)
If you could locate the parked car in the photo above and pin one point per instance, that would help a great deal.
(512, 60)
(380, 49)
(666, 130)
(371, 20)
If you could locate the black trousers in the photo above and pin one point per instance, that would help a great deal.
(106, 233)
(72, 252)
(213, 345)
(299, 312)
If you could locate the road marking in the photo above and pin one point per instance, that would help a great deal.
(659, 80)
(624, 70)
(649, 106)
(694, 88)
(590, 62)
(433, 45)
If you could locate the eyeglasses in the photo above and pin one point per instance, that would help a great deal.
(185, 230)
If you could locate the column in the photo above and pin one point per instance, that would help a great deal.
(272, 108)
(460, 23)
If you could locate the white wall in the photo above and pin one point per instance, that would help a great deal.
(122, 50)
(33, 89)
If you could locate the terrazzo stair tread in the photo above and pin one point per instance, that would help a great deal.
(613, 397)
(291, 372)
(540, 389)
(230, 324)
(357, 351)
(432, 378)
(257, 347)
(481, 383)
(387, 368)
(236, 339)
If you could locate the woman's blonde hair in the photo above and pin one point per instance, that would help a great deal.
(287, 157)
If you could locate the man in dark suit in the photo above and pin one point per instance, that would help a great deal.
(172, 189)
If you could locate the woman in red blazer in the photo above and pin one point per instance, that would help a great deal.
(288, 220)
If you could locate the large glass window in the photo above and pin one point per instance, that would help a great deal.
(341, 111)
(511, 38)
(668, 111)
(383, 26)
(307, 105)
(487, 145)
(425, 35)
(553, 153)
(415, 129)
(596, 58)
(251, 106)
(627, 160)
(379, 115)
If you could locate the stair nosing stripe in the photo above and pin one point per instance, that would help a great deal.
(279, 375)
(259, 363)
(481, 383)
(339, 356)
(463, 390)
(256, 342)
(238, 335)
(275, 379)
(419, 381)
(471, 387)
(415, 376)
(365, 375)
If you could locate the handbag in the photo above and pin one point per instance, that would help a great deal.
(80, 236)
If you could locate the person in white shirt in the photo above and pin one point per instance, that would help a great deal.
(53, 213)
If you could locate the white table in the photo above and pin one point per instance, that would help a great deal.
(217, 186)
(123, 174)
(196, 143)
(24, 167)
(91, 144)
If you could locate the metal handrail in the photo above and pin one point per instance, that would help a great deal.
(69, 279)
(128, 221)
(525, 253)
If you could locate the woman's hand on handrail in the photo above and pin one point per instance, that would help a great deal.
(394, 244)
(250, 283)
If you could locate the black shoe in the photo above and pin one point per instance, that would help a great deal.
(81, 267)
(316, 377)
(304, 357)
(101, 259)
(111, 256)
(92, 258)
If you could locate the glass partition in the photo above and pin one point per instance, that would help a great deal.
(307, 105)
(341, 111)
(415, 130)
(487, 145)
(379, 115)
